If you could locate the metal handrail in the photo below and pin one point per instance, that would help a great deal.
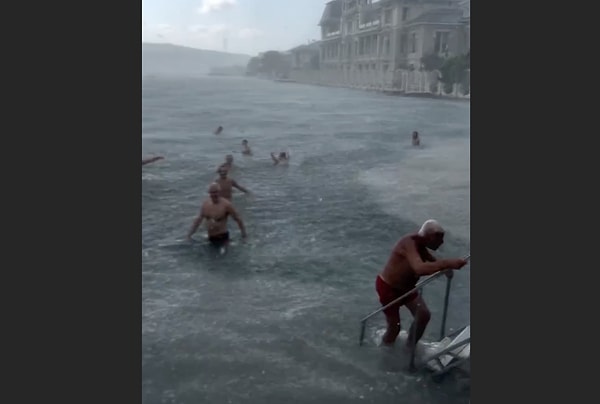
(446, 300)
(418, 286)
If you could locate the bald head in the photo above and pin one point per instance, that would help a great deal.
(214, 191)
(431, 227)
(214, 188)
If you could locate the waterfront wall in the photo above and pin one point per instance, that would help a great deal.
(399, 81)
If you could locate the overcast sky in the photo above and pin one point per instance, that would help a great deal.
(249, 26)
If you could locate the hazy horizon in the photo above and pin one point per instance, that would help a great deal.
(195, 48)
(234, 26)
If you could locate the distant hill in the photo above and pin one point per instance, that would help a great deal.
(174, 60)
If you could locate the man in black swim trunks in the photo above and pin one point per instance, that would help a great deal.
(216, 210)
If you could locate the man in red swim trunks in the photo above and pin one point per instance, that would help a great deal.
(409, 261)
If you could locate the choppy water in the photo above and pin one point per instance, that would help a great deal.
(276, 319)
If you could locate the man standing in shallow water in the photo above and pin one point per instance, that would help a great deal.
(410, 260)
(228, 164)
(227, 184)
(246, 148)
(216, 210)
(415, 139)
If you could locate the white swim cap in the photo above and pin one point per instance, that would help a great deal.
(430, 227)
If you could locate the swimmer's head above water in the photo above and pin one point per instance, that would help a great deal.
(281, 157)
(432, 233)
(415, 139)
(229, 159)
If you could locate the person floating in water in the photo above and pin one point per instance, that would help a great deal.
(415, 139)
(218, 130)
(151, 160)
(283, 157)
(216, 210)
(228, 164)
(245, 148)
(410, 260)
(227, 184)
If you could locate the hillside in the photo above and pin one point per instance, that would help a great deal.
(174, 60)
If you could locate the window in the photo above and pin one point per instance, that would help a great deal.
(404, 13)
(402, 44)
(413, 42)
(441, 41)
(387, 17)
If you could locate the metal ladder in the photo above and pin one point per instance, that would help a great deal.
(453, 351)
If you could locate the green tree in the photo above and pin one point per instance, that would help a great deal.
(275, 63)
(253, 66)
(454, 71)
(432, 62)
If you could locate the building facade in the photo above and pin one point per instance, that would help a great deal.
(369, 43)
(465, 6)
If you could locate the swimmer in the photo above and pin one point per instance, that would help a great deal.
(216, 210)
(218, 130)
(227, 184)
(245, 148)
(415, 139)
(228, 164)
(410, 260)
(283, 157)
(151, 160)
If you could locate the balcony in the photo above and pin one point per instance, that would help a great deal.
(369, 25)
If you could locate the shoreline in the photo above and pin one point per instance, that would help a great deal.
(386, 91)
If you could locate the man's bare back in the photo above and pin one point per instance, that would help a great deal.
(410, 260)
(398, 272)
